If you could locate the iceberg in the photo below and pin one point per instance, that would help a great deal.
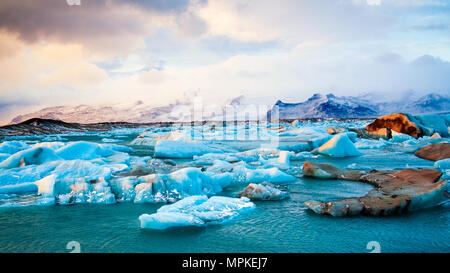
(196, 211)
(164, 220)
(263, 191)
(339, 146)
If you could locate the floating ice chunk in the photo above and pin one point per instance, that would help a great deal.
(12, 147)
(263, 191)
(31, 156)
(220, 209)
(182, 149)
(164, 220)
(88, 150)
(196, 211)
(339, 146)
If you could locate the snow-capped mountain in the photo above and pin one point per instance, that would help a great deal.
(137, 112)
(367, 105)
(317, 106)
(324, 106)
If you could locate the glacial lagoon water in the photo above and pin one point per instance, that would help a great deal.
(274, 226)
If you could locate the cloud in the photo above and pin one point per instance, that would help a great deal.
(104, 26)
(293, 20)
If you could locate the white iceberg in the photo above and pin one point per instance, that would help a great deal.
(339, 146)
(196, 211)
(263, 191)
(164, 220)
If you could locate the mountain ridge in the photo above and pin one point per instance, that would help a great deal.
(331, 106)
(317, 106)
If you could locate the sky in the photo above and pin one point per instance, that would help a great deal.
(70, 52)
